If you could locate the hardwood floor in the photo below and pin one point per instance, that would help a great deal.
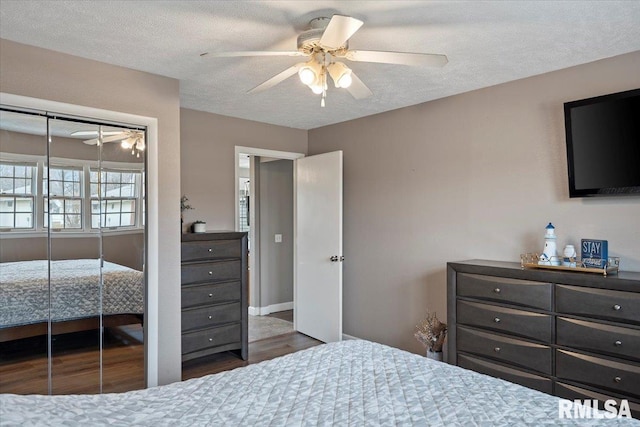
(259, 351)
(75, 369)
(284, 315)
(75, 366)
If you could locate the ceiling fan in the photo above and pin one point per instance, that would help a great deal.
(325, 44)
(129, 139)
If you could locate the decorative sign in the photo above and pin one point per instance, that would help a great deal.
(594, 253)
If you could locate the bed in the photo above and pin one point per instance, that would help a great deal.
(75, 296)
(353, 382)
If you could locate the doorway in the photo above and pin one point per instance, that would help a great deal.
(264, 208)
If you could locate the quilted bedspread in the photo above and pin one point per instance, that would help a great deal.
(75, 290)
(352, 383)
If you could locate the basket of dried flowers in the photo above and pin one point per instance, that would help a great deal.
(431, 332)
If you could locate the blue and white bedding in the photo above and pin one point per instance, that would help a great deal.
(352, 383)
(74, 289)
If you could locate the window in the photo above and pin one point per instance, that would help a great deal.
(62, 189)
(17, 195)
(244, 204)
(69, 195)
(114, 194)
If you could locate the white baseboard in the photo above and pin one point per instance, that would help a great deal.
(349, 337)
(273, 308)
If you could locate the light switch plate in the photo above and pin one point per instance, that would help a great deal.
(278, 238)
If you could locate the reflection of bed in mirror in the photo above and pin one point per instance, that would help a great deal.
(75, 298)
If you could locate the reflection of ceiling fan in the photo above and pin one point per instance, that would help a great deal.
(326, 41)
(130, 139)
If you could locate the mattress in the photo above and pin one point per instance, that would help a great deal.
(75, 290)
(352, 383)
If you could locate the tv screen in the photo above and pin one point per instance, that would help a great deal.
(603, 145)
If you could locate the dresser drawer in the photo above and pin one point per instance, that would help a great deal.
(205, 317)
(600, 303)
(208, 249)
(517, 322)
(616, 376)
(597, 337)
(571, 392)
(211, 272)
(209, 338)
(512, 291)
(525, 354)
(509, 374)
(211, 293)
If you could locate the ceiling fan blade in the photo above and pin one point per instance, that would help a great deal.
(339, 30)
(94, 132)
(120, 136)
(357, 89)
(252, 53)
(117, 137)
(276, 79)
(402, 58)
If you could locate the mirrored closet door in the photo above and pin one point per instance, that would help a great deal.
(72, 253)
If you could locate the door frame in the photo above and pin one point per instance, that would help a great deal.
(254, 259)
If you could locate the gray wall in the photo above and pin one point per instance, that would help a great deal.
(68, 148)
(124, 249)
(45, 74)
(208, 160)
(477, 175)
(276, 217)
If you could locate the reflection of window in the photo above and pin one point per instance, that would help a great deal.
(17, 195)
(244, 204)
(114, 194)
(62, 189)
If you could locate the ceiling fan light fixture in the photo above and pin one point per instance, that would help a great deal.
(309, 72)
(307, 75)
(317, 89)
(127, 143)
(341, 74)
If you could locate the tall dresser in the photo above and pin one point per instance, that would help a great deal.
(575, 335)
(214, 294)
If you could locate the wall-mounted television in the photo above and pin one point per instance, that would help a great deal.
(603, 145)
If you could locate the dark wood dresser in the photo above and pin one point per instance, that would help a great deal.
(214, 294)
(574, 335)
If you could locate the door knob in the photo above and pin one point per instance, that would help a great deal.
(334, 258)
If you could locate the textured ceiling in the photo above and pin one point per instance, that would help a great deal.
(487, 42)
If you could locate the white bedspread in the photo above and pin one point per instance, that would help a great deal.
(75, 290)
(353, 383)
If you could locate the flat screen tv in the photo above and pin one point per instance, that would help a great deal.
(603, 145)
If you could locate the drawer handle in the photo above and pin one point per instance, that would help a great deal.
(210, 339)
(210, 317)
(210, 295)
(209, 250)
(496, 290)
(211, 273)
(617, 379)
(497, 320)
(497, 349)
(618, 343)
(617, 307)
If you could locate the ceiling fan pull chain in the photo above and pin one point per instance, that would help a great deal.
(324, 79)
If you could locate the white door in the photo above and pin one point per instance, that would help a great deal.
(318, 250)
